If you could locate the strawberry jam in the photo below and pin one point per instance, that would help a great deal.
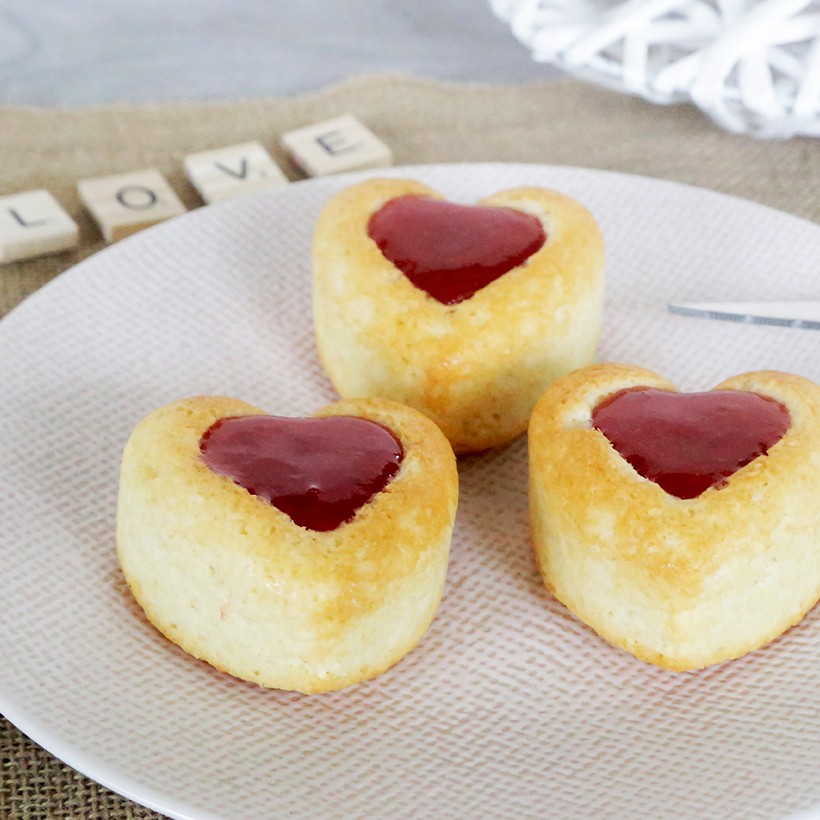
(319, 471)
(688, 442)
(450, 251)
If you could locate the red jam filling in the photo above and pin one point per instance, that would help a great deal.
(319, 471)
(450, 250)
(688, 442)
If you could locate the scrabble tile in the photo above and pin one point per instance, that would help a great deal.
(126, 203)
(32, 224)
(224, 173)
(334, 146)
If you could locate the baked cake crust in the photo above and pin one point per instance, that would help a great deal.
(679, 583)
(233, 581)
(477, 367)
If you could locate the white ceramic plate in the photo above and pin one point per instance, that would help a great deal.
(509, 706)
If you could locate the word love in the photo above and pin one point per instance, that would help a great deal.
(33, 223)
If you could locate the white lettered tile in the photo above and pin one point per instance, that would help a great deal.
(224, 173)
(33, 223)
(335, 146)
(123, 204)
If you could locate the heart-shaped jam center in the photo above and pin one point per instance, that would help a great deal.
(450, 250)
(319, 471)
(688, 442)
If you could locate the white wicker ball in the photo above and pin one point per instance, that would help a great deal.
(751, 65)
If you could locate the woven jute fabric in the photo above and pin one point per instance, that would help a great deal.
(555, 122)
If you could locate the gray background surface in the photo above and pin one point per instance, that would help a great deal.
(77, 52)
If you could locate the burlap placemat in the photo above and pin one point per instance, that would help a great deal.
(556, 122)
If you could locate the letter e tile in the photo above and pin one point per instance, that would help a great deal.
(335, 146)
(224, 173)
(123, 204)
(32, 224)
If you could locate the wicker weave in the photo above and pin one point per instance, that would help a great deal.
(751, 65)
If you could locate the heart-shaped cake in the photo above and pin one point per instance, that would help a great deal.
(683, 528)
(464, 312)
(303, 554)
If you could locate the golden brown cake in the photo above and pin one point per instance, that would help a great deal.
(230, 577)
(681, 582)
(474, 362)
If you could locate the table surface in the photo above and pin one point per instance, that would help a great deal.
(87, 52)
